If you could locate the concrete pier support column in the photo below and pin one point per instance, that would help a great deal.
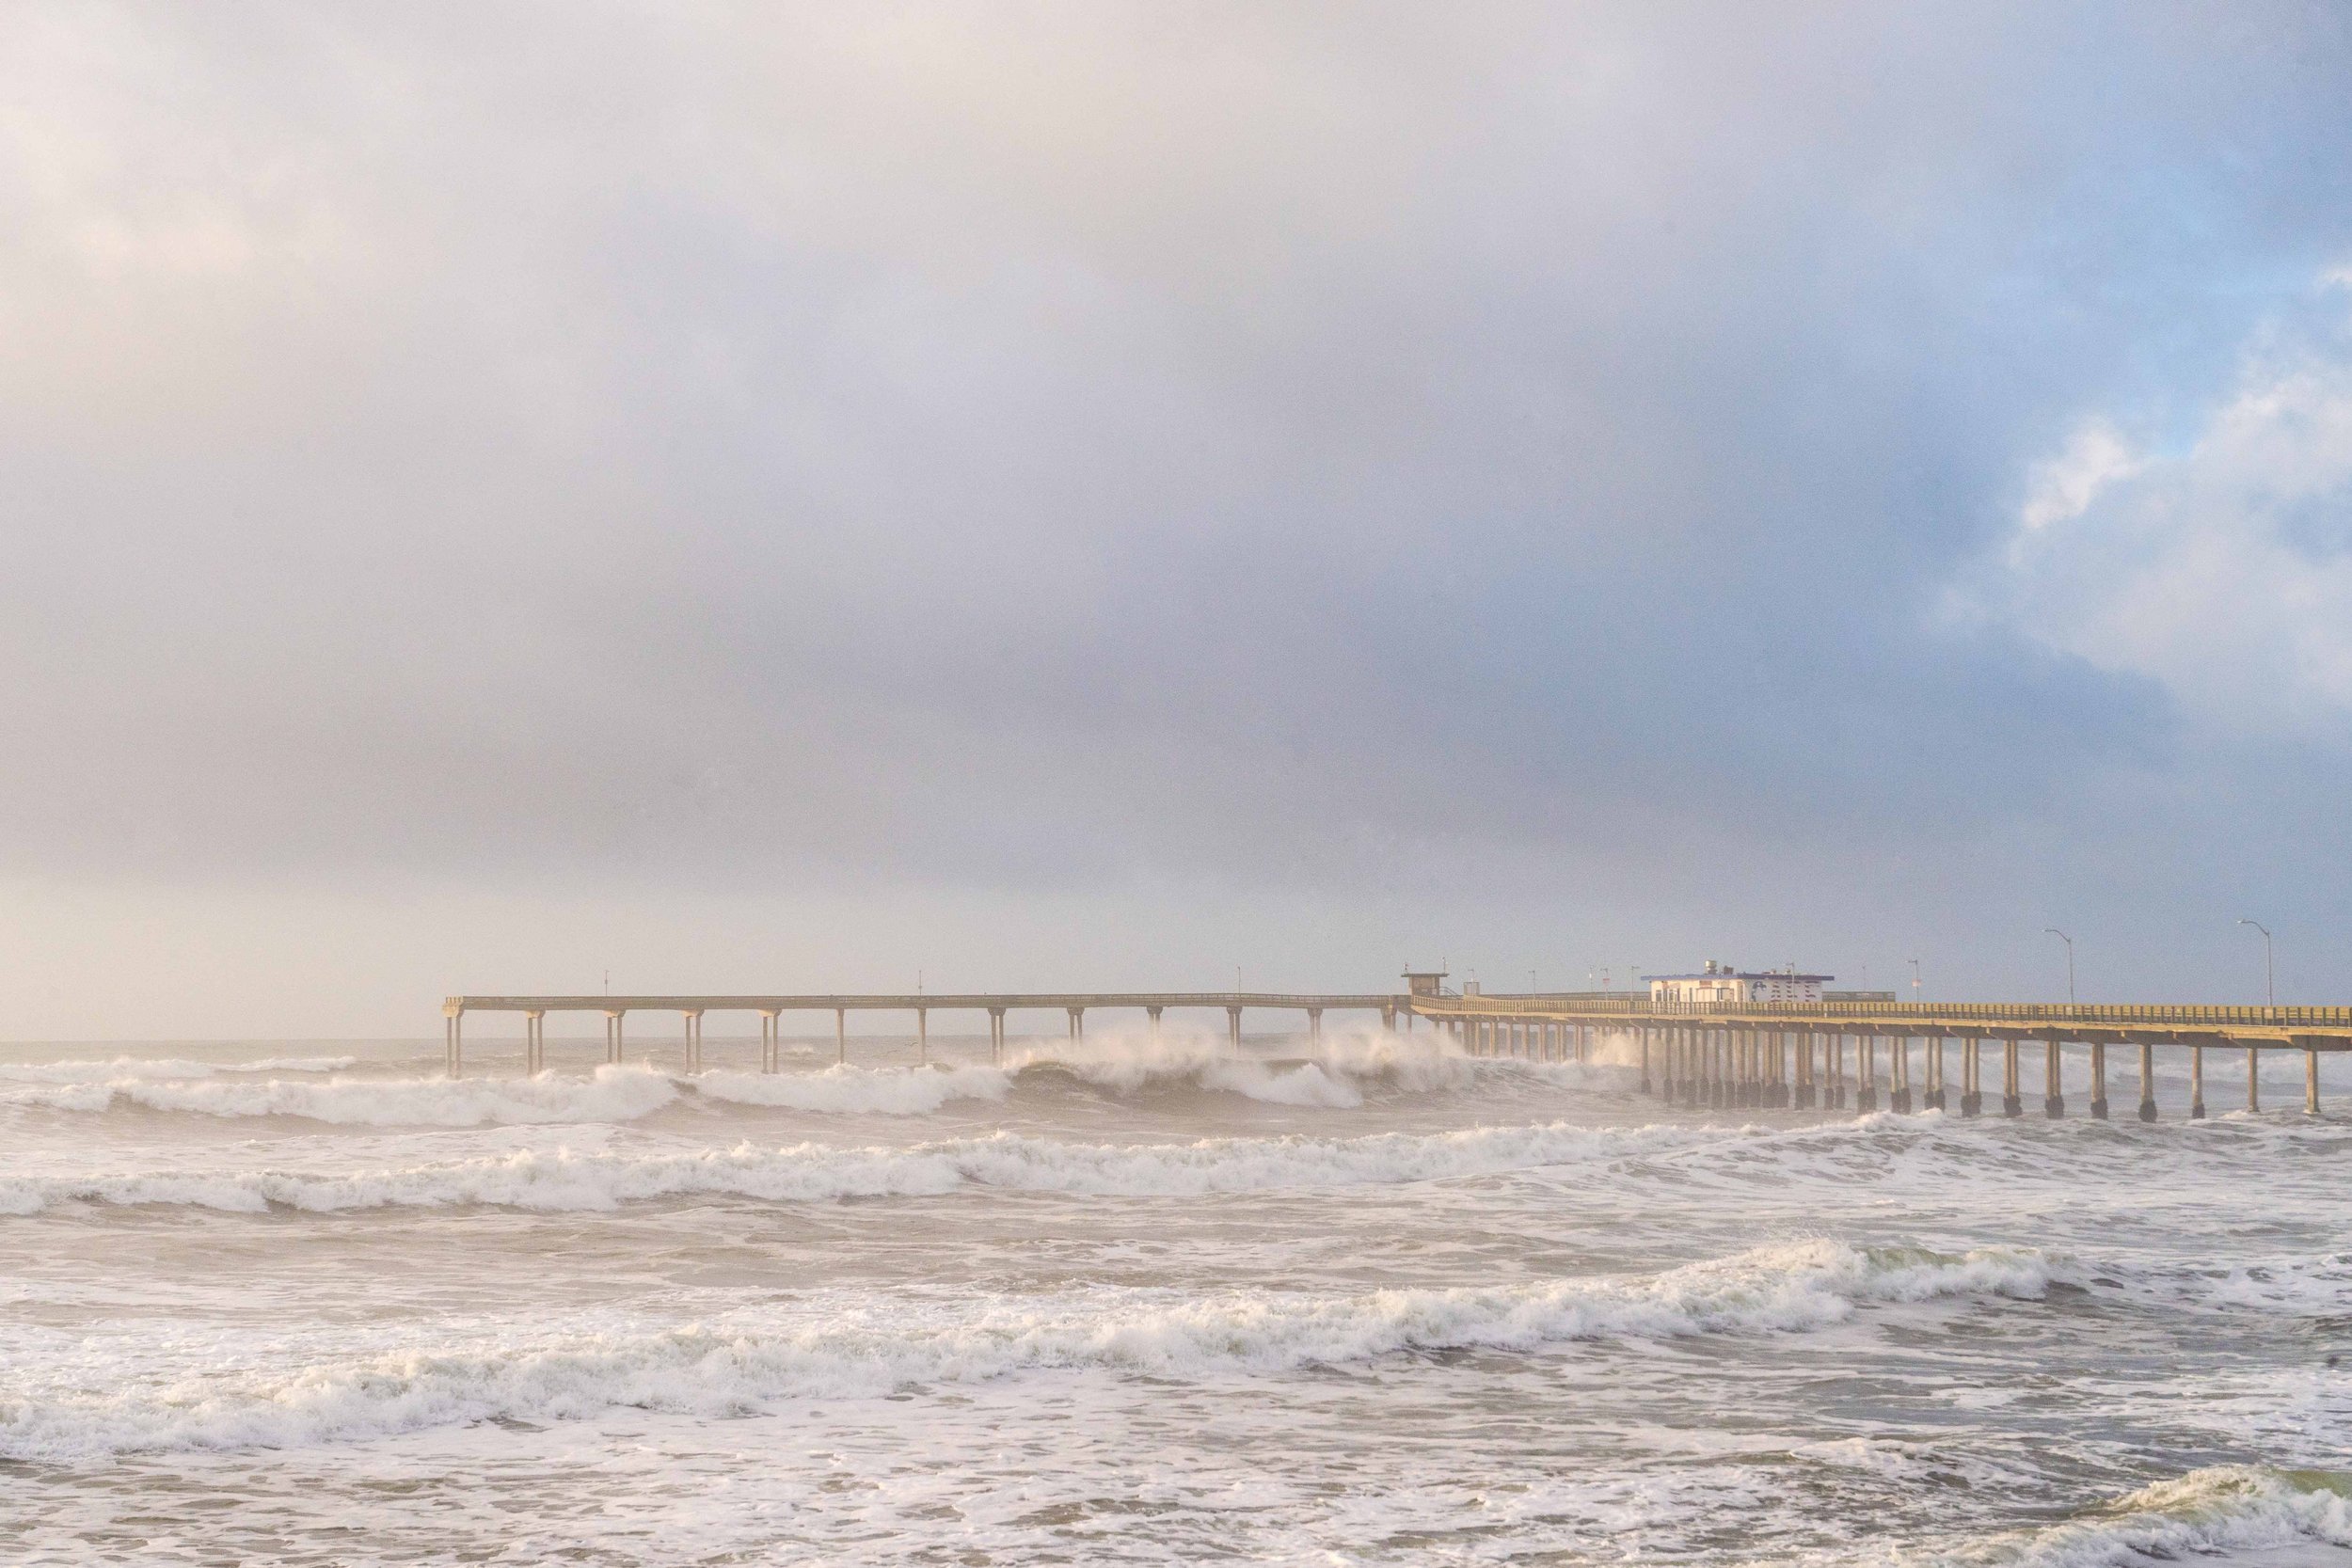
(1233, 1029)
(1972, 1075)
(534, 1050)
(1314, 1025)
(1077, 1022)
(2147, 1082)
(1645, 1042)
(2196, 1082)
(613, 1036)
(2098, 1081)
(922, 1034)
(997, 1033)
(1866, 1093)
(2053, 1082)
(693, 1029)
(769, 1042)
(2310, 1081)
(1805, 1069)
(1388, 1019)
(2013, 1098)
(1153, 1014)
(841, 1033)
(2253, 1078)
(1835, 1099)
(1899, 1075)
(1935, 1072)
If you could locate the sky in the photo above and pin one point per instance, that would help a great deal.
(777, 498)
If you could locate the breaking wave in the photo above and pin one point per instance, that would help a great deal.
(613, 1093)
(1340, 1076)
(886, 1091)
(847, 1351)
(135, 1069)
(565, 1179)
(2225, 1510)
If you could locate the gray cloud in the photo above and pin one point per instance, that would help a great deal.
(1333, 453)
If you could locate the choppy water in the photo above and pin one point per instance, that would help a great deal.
(1385, 1305)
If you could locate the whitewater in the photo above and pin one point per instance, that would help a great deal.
(1362, 1301)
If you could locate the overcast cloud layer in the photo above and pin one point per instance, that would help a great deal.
(1098, 495)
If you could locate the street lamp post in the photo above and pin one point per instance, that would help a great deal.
(2271, 973)
(2052, 930)
(1915, 980)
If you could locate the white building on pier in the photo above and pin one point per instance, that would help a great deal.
(1719, 985)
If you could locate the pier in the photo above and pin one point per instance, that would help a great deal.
(1762, 1055)
(1794, 1053)
(1074, 1006)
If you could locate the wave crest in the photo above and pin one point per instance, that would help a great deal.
(831, 1351)
(811, 1172)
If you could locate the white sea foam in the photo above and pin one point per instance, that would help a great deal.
(889, 1091)
(810, 1172)
(872, 1347)
(613, 1093)
(2223, 1511)
(1334, 1074)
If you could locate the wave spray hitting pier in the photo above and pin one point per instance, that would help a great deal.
(1730, 1054)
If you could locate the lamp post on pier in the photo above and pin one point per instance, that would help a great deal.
(2270, 975)
(2052, 930)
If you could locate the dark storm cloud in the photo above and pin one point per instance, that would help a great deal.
(1011, 444)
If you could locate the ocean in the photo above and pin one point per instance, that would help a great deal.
(1361, 1301)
